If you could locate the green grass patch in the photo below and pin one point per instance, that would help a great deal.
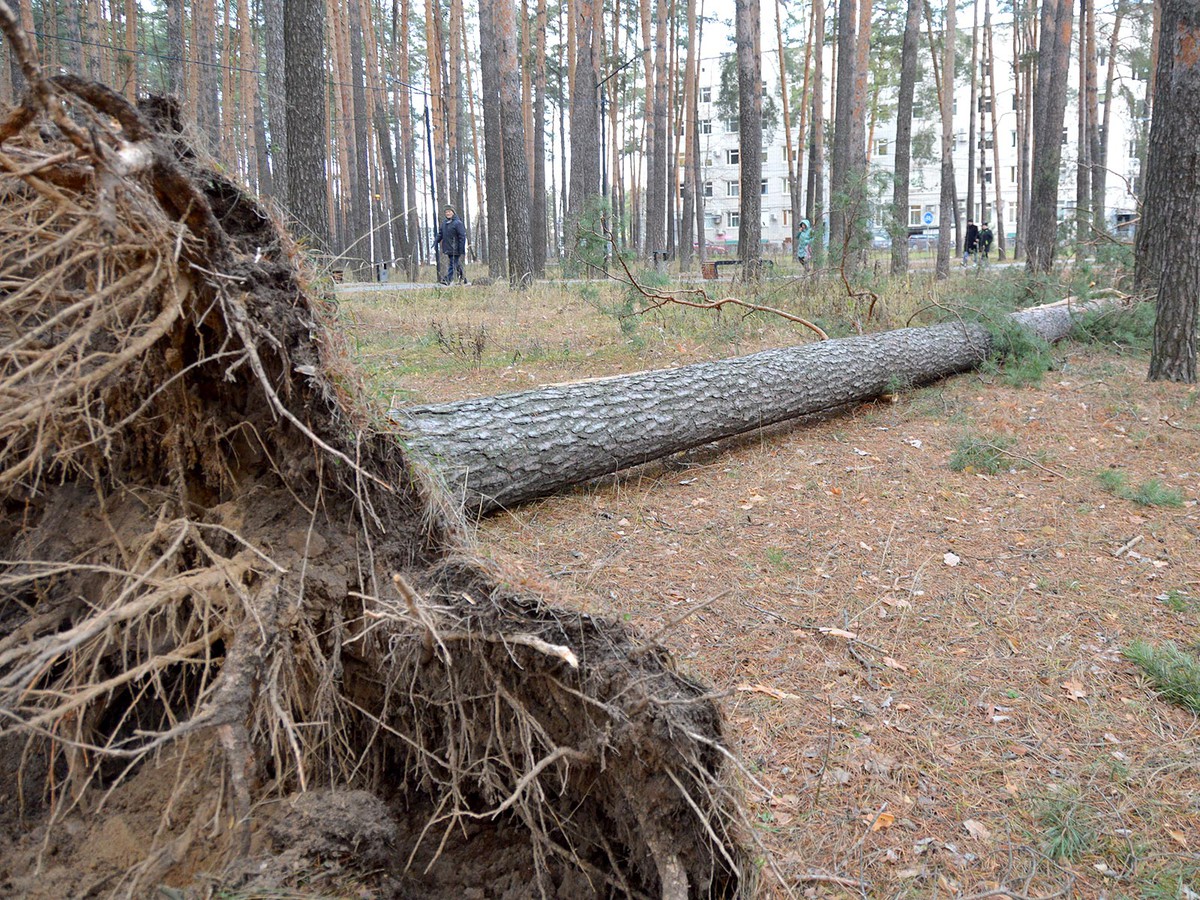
(1179, 601)
(1148, 493)
(1067, 827)
(981, 453)
(1175, 673)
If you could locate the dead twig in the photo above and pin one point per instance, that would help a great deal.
(659, 300)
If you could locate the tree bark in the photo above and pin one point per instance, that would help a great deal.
(272, 11)
(584, 187)
(493, 153)
(656, 173)
(749, 60)
(1050, 102)
(971, 120)
(990, 50)
(500, 451)
(538, 210)
(841, 159)
(512, 128)
(304, 75)
(691, 108)
(412, 228)
(1100, 159)
(1173, 181)
(904, 116)
(946, 203)
(814, 202)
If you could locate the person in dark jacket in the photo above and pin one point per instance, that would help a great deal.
(971, 243)
(985, 240)
(453, 239)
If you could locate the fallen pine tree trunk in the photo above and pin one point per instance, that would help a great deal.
(499, 451)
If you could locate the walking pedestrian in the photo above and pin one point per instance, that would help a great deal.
(453, 239)
(803, 239)
(971, 242)
(985, 240)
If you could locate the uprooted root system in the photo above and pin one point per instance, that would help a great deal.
(241, 642)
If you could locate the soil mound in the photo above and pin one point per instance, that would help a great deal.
(242, 641)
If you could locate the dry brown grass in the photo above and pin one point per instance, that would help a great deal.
(980, 734)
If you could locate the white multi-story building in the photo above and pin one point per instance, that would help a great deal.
(719, 154)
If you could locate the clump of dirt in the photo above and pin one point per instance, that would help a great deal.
(240, 635)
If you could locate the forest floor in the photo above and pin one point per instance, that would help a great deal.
(915, 612)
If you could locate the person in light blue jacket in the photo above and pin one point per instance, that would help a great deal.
(803, 239)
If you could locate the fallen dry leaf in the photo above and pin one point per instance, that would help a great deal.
(881, 821)
(1074, 689)
(977, 830)
(1179, 838)
(894, 664)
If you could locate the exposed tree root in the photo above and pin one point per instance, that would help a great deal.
(220, 585)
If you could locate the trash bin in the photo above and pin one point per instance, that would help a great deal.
(708, 271)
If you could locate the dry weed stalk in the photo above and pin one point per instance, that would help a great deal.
(177, 471)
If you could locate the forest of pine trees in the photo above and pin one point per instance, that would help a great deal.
(363, 119)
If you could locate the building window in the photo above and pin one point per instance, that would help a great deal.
(985, 141)
(1012, 174)
(881, 148)
(985, 174)
(733, 157)
(708, 189)
(706, 95)
(733, 189)
(1013, 135)
(1015, 100)
(735, 219)
(706, 126)
(765, 190)
(731, 126)
(914, 215)
(985, 104)
(1132, 150)
(1066, 134)
(1012, 211)
(787, 217)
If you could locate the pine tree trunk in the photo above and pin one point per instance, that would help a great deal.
(131, 55)
(904, 116)
(946, 210)
(1083, 164)
(998, 208)
(537, 223)
(413, 227)
(815, 202)
(304, 93)
(691, 106)
(1173, 180)
(512, 129)
(749, 61)
(1050, 100)
(1097, 213)
(360, 192)
(971, 119)
(1100, 158)
(499, 451)
(493, 150)
(272, 11)
(207, 73)
(585, 136)
(842, 156)
(656, 166)
(481, 245)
